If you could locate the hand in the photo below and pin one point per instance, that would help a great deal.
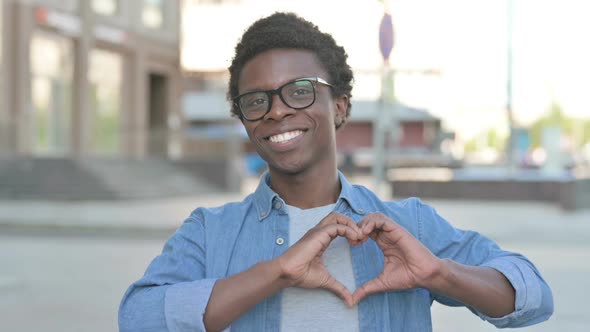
(302, 264)
(407, 263)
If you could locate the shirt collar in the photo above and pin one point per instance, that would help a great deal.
(264, 196)
(347, 195)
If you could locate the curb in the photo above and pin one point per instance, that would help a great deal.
(46, 228)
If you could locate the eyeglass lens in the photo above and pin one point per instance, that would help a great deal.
(298, 94)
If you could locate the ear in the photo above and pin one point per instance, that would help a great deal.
(341, 107)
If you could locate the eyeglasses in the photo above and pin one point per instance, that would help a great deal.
(297, 94)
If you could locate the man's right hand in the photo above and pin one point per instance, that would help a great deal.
(302, 264)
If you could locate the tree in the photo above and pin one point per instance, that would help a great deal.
(556, 118)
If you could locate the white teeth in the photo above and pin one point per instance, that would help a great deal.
(285, 136)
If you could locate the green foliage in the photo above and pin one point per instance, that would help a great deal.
(586, 132)
(42, 129)
(471, 146)
(494, 140)
(577, 128)
(105, 136)
(491, 138)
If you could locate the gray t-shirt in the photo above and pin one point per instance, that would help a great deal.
(312, 309)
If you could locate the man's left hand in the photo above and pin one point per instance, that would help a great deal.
(407, 262)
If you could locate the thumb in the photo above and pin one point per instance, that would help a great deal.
(339, 290)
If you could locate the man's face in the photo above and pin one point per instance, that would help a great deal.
(292, 141)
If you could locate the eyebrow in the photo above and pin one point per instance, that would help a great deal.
(282, 84)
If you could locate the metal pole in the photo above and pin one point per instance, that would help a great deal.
(392, 122)
(509, 114)
(381, 117)
(378, 137)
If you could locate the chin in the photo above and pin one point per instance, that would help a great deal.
(289, 168)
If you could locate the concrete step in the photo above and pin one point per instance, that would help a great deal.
(99, 178)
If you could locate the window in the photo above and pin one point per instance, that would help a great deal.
(105, 7)
(51, 58)
(152, 14)
(105, 78)
(4, 128)
(212, 2)
(1, 34)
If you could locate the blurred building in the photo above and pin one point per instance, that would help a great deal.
(418, 141)
(95, 78)
(413, 140)
(90, 100)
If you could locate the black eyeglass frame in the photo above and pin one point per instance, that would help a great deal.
(277, 91)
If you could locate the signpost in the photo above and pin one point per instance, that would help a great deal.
(386, 36)
(510, 157)
(383, 117)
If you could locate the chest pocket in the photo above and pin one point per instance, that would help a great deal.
(257, 244)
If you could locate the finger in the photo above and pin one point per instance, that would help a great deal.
(376, 229)
(355, 238)
(352, 234)
(317, 240)
(338, 218)
(376, 221)
(362, 222)
(368, 227)
(331, 218)
(340, 290)
(361, 240)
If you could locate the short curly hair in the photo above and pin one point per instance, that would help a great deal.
(287, 30)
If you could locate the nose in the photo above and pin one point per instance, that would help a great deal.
(278, 109)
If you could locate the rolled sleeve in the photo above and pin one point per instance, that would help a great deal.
(185, 304)
(533, 298)
(174, 292)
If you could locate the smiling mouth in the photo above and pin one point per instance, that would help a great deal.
(285, 137)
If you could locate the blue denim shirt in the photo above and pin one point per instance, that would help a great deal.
(214, 243)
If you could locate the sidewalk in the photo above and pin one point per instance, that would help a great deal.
(160, 215)
(501, 220)
(557, 241)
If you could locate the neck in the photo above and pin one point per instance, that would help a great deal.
(307, 190)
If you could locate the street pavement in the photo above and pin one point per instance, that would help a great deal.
(65, 265)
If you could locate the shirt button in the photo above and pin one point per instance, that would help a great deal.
(280, 241)
(278, 205)
(361, 211)
(263, 214)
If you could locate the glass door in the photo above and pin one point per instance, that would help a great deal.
(105, 76)
(51, 58)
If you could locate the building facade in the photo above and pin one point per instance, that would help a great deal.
(89, 78)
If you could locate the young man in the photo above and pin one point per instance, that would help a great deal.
(308, 250)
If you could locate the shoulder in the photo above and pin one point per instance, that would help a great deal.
(410, 206)
(226, 213)
(410, 212)
(222, 223)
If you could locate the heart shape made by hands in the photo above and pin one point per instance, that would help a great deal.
(407, 263)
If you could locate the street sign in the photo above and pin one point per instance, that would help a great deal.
(386, 36)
